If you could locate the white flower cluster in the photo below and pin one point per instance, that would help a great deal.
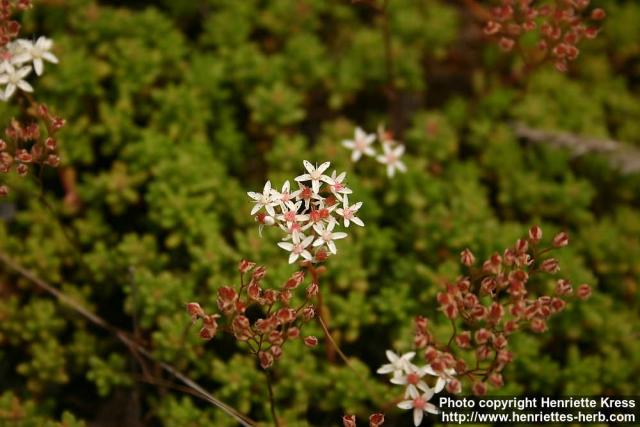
(310, 214)
(392, 151)
(417, 393)
(20, 57)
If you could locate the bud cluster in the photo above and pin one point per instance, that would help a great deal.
(308, 215)
(392, 151)
(25, 145)
(278, 323)
(10, 28)
(561, 25)
(492, 303)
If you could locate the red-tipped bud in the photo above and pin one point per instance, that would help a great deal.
(479, 389)
(535, 234)
(349, 421)
(266, 359)
(492, 27)
(194, 310)
(308, 313)
(310, 341)
(467, 258)
(312, 290)
(496, 380)
(598, 14)
(293, 333)
(482, 335)
(561, 239)
(550, 265)
(506, 44)
(584, 291)
(376, 420)
(463, 340)
(245, 266)
(454, 386)
(538, 325)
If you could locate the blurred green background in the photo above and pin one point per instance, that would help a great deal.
(176, 109)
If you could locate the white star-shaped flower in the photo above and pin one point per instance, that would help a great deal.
(327, 236)
(15, 79)
(391, 158)
(338, 188)
(290, 213)
(37, 52)
(348, 212)
(315, 175)
(285, 195)
(399, 364)
(361, 144)
(412, 378)
(420, 404)
(298, 247)
(263, 200)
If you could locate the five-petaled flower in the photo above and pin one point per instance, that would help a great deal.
(420, 404)
(361, 144)
(391, 158)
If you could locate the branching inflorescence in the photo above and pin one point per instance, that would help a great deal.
(485, 308)
(309, 215)
(279, 323)
(560, 26)
(25, 144)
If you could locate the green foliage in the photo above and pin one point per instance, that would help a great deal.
(174, 111)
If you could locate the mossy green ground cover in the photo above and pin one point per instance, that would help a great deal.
(176, 109)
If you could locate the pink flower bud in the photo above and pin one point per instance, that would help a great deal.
(483, 352)
(499, 342)
(349, 421)
(194, 310)
(561, 239)
(510, 327)
(311, 341)
(276, 338)
(454, 386)
(259, 273)
(266, 359)
(376, 420)
(584, 291)
(312, 290)
(550, 265)
(276, 351)
(431, 354)
(479, 389)
(22, 169)
(496, 380)
(245, 266)
(482, 335)
(463, 340)
(4, 190)
(506, 44)
(535, 234)
(293, 333)
(269, 296)
(496, 311)
(598, 14)
(492, 27)
(53, 160)
(206, 334)
(308, 313)
(285, 315)
(253, 290)
(538, 325)
(467, 258)
(295, 280)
